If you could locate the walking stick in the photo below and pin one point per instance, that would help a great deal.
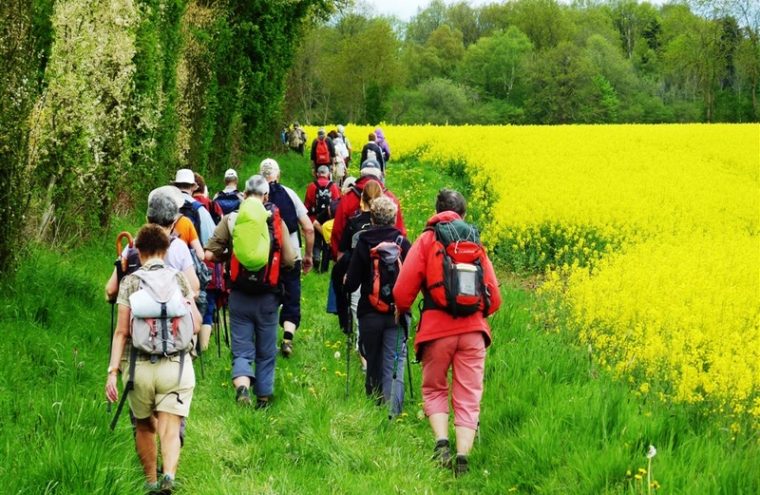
(218, 332)
(391, 414)
(349, 341)
(200, 357)
(226, 328)
(406, 324)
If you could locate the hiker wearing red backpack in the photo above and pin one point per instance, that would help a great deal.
(449, 265)
(375, 264)
(157, 322)
(319, 195)
(255, 277)
(322, 151)
(349, 205)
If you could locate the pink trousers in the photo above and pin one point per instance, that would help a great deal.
(465, 354)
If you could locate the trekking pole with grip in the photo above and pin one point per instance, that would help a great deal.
(121, 271)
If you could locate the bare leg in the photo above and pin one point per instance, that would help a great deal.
(465, 439)
(145, 443)
(439, 422)
(168, 433)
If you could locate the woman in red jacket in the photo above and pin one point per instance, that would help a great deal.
(445, 341)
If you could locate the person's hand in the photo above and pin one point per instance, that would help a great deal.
(112, 393)
(308, 262)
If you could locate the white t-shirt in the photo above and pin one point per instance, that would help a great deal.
(301, 211)
(177, 257)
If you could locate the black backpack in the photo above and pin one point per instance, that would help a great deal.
(228, 201)
(190, 210)
(323, 198)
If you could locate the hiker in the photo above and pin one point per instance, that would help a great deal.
(319, 195)
(383, 143)
(460, 290)
(375, 264)
(340, 165)
(295, 214)
(349, 205)
(346, 142)
(347, 301)
(255, 295)
(322, 151)
(229, 198)
(297, 139)
(372, 151)
(163, 210)
(185, 181)
(162, 379)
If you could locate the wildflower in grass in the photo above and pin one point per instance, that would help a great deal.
(650, 455)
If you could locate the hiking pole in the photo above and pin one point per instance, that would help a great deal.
(200, 357)
(395, 375)
(406, 323)
(349, 341)
(226, 328)
(218, 332)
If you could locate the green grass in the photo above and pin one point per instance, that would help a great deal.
(551, 421)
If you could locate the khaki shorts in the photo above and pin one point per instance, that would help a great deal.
(156, 388)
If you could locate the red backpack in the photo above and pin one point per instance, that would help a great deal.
(455, 280)
(385, 266)
(322, 153)
(268, 278)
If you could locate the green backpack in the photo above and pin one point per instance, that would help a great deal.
(250, 237)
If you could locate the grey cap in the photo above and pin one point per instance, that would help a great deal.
(323, 170)
(371, 167)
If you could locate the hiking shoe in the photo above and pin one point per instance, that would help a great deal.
(442, 453)
(286, 348)
(167, 484)
(461, 466)
(242, 396)
(263, 402)
(152, 488)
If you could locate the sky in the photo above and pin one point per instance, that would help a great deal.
(405, 9)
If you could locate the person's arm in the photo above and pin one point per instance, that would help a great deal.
(314, 154)
(411, 277)
(288, 253)
(218, 243)
(112, 287)
(339, 225)
(119, 341)
(195, 245)
(207, 225)
(331, 147)
(190, 300)
(356, 267)
(492, 285)
(192, 278)
(308, 233)
(310, 198)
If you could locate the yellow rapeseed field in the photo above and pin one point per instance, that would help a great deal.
(648, 235)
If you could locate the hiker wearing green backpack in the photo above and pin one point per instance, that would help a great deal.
(295, 215)
(157, 322)
(253, 241)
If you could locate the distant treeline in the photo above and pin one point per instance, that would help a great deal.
(103, 99)
(533, 62)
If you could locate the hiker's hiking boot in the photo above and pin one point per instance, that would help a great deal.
(263, 402)
(167, 484)
(442, 454)
(286, 348)
(242, 396)
(461, 467)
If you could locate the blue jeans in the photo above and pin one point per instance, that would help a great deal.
(253, 321)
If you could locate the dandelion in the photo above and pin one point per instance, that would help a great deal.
(650, 455)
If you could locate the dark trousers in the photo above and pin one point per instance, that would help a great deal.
(322, 254)
(382, 344)
(291, 300)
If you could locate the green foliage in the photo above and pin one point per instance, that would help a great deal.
(638, 62)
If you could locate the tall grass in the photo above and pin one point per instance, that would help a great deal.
(551, 421)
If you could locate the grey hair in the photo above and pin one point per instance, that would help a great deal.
(162, 209)
(383, 211)
(269, 169)
(257, 185)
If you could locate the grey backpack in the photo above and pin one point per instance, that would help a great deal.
(162, 323)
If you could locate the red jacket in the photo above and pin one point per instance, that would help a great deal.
(349, 205)
(310, 200)
(436, 323)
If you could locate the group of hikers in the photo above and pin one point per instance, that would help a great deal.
(243, 250)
